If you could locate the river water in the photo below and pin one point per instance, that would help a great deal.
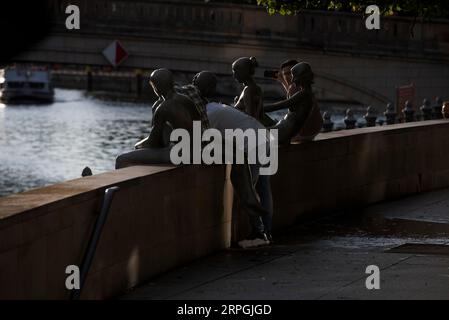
(45, 144)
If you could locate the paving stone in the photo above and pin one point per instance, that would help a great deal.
(308, 264)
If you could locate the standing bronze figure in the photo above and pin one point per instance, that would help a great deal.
(250, 100)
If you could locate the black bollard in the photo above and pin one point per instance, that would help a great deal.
(328, 125)
(138, 82)
(390, 114)
(409, 113)
(426, 110)
(437, 107)
(349, 120)
(445, 110)
(370, 116)
(88, 79)
(86, 172)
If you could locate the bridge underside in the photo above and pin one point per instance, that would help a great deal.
(368, 81)
(351, 62)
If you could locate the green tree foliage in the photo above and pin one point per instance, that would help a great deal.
(413, 8)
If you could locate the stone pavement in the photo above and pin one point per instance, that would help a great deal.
(327, 259)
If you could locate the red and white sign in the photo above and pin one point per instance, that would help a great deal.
(115, 53)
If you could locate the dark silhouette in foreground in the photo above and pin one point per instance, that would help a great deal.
(252, 190)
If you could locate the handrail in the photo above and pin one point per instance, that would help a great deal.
(93, 241)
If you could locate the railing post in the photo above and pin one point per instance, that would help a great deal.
(390, 114)
(93, 240)
(426, 110)
(437, 114)
(370, 116)
(138, 74)
(328, 125)
(86, 172)
(408, 112)
(445, 110)
(349, 120)
(88, 79)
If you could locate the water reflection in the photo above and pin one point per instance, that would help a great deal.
(45, 144)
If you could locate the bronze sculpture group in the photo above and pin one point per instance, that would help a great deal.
(178, 107)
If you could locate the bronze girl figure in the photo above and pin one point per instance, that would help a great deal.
(250, 100)
(299, 106)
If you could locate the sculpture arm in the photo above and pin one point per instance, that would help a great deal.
(155, 138)
(282, 81)
(248, 102)
(294, 99)
(155, 105)
(239, 104)
(142, 144)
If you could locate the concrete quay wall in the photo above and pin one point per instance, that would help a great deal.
(163, 217)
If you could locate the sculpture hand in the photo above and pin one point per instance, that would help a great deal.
(141, 144)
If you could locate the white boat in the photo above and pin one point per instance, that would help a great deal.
(26, 85)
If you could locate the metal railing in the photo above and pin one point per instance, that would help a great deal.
(408, 114)
(93, 241)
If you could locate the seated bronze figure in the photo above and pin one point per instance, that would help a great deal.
(299, 105)
(171, 111)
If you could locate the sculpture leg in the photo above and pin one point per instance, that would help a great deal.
(263, 188)
(242, 182)
(145, 156)
(286, 130)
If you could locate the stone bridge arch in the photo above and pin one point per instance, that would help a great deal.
(337, 87)
(350, 91)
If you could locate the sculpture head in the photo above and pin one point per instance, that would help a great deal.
(302, 74)
(244, 68)
(285, 70)
(206, 83)
(162, 82)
